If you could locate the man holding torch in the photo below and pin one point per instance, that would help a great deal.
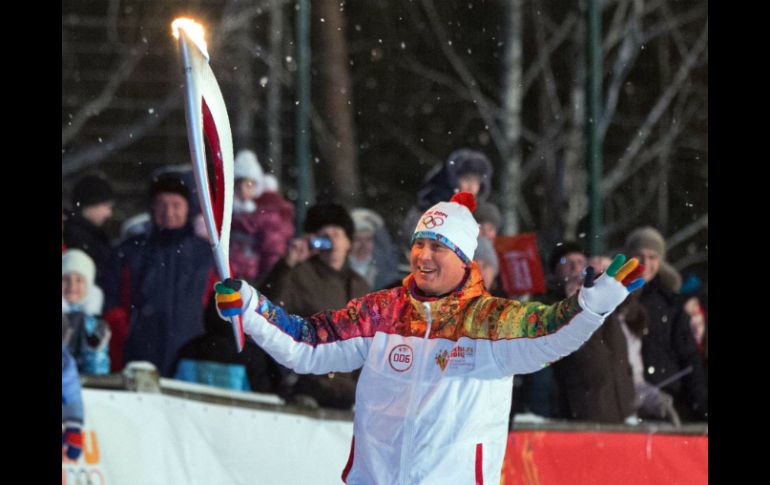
(437, 354)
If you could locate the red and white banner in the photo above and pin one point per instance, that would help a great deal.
(521, 270)
(138, 438)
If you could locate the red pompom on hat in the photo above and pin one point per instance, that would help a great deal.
(465, 198)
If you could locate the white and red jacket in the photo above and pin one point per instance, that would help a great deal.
(434, 395)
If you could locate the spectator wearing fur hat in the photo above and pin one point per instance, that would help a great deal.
(437, 354)
(669, 350)
(465, 170)
(158, 282)
(263, 222)
(92, 202)
(308, 280)
(85, 334)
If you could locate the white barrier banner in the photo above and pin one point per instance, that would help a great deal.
(146, 439)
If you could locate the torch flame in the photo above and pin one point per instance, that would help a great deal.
(194, 31)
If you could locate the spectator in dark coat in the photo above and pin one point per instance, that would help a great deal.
(92, 201)
(307, 281)
(668, 348)
(218, 345)
(158, 283)
(594, 382)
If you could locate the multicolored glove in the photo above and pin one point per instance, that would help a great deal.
(228, 297)
(72, 440)
(602, 295)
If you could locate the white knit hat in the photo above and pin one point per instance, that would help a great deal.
(452, 224)
(77, 261)
(366, 220)
(271, 183)
(247, 166)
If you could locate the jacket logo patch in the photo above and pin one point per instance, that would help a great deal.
(458, 358)
(401, 358)
(442, 359)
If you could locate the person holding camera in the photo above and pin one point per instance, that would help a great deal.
(313, 276)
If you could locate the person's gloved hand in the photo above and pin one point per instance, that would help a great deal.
(229, 298)
(602, 295)
(72, 440)
(653, 403)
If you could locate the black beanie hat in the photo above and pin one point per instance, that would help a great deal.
(324, 214)
(562, 250)
(169, 182)
(91, 190)
(487, 212)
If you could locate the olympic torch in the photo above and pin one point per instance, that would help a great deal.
(206, 114)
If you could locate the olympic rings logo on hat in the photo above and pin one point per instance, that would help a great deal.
(430, 222)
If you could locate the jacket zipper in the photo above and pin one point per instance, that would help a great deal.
(409, 424)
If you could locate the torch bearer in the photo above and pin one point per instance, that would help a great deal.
(205, 113)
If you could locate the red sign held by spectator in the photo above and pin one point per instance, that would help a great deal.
(521, 270)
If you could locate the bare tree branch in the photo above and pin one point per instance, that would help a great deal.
(548, 77)
(552, 139)
(576, 174)
(687, 232)
(324, 136)
(672, 132)
(672, 22)
(407, 142)
(94, 107)
(113, 12)
(93, 154)
(630, 217)
(615, 30)
(624, 62)
(90, 155)
(441, 78)
(617, 174)
(690, 259)
(511, 198)
(275, 71)
(672, 25)
(544, 52)
(486, 112)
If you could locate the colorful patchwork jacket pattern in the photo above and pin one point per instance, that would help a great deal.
(434, 395)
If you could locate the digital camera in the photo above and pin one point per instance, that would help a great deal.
(321, 243)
